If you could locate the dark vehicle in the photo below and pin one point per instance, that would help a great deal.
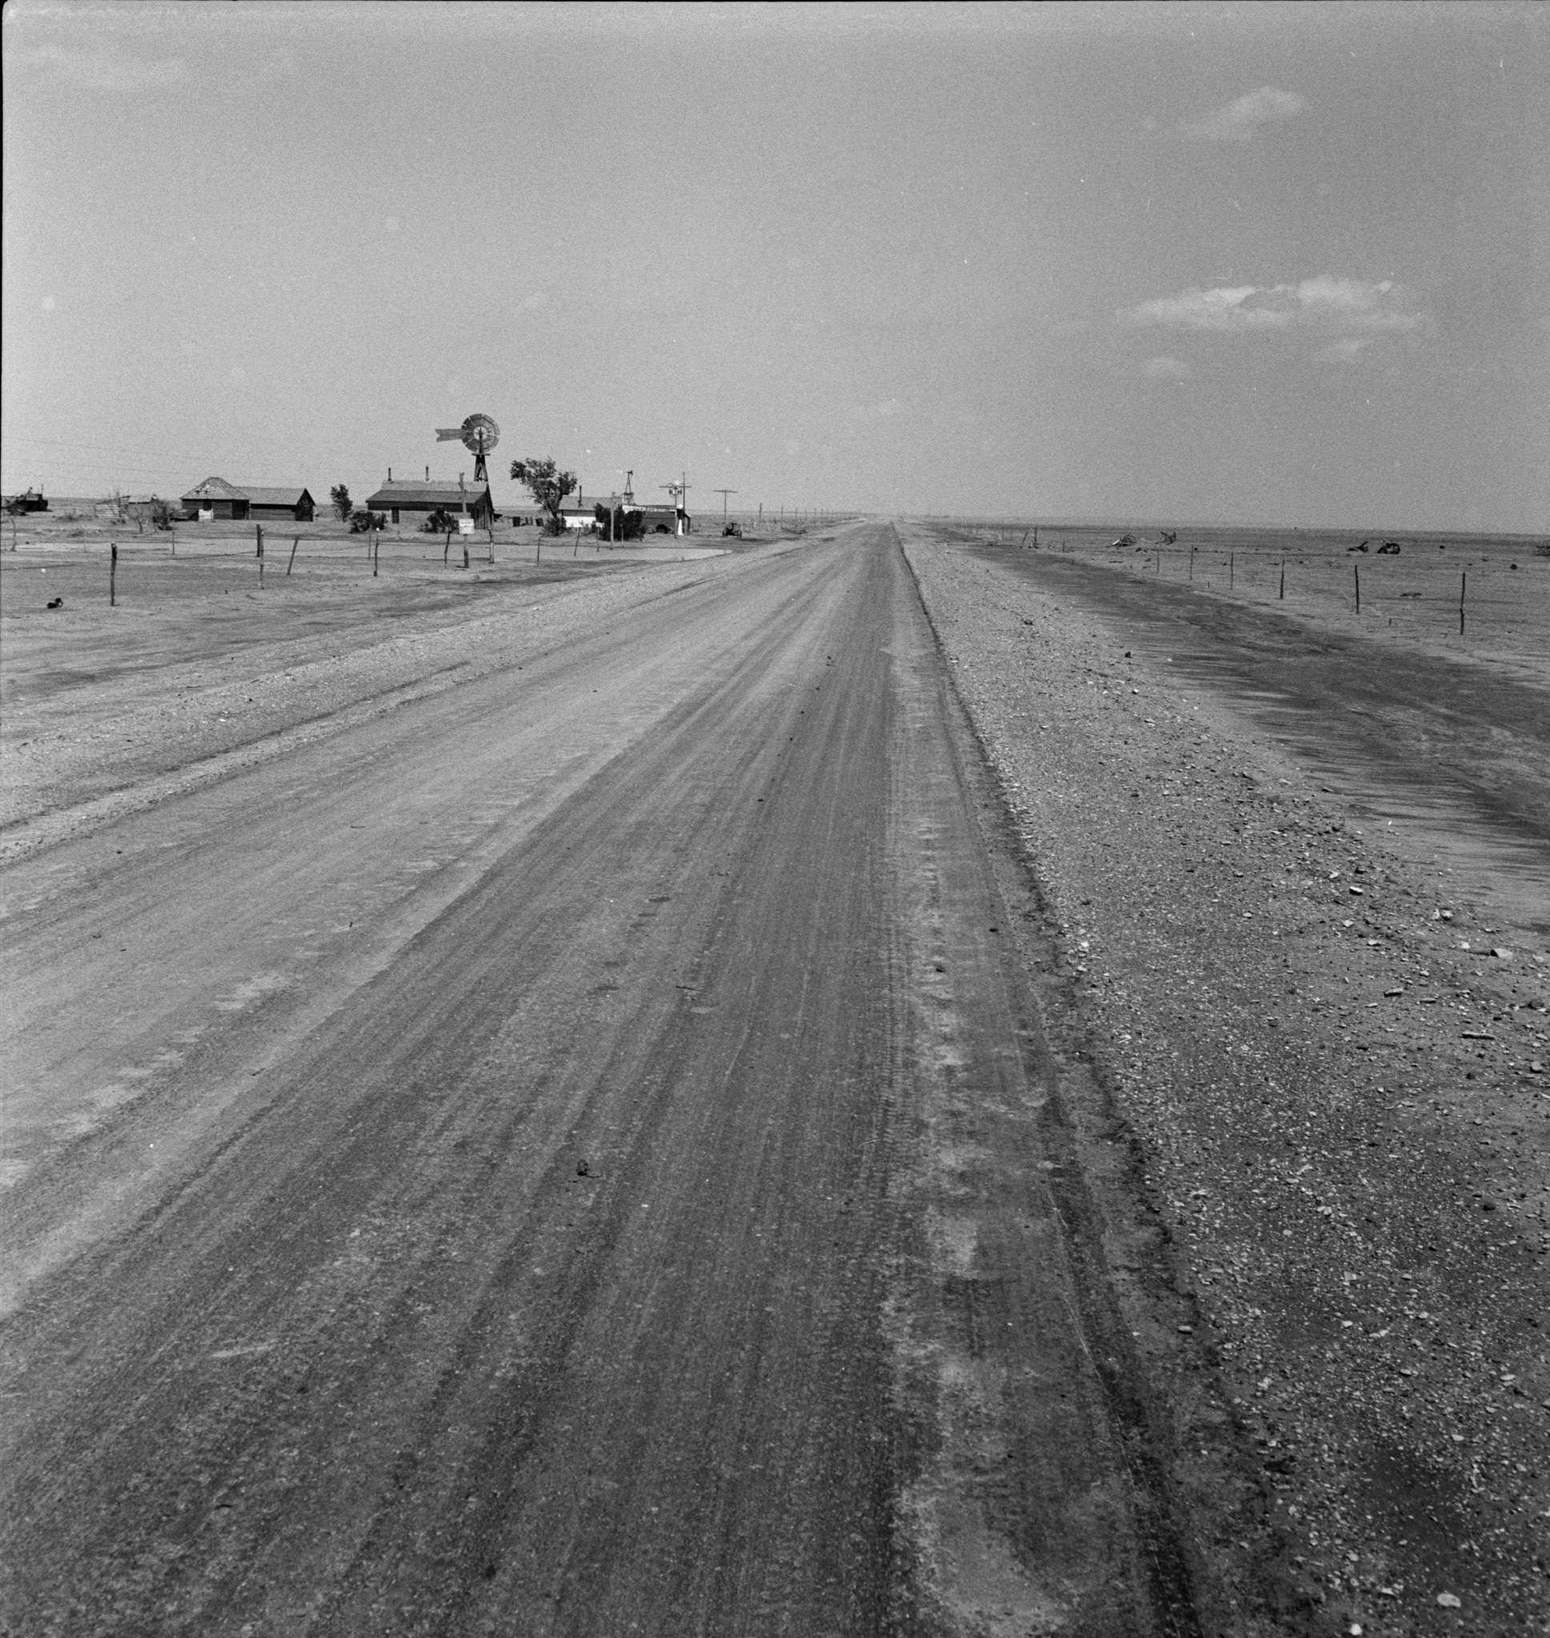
(31, 501)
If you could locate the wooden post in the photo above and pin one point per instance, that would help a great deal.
(1192, 562)
(113, 579)
(465, 554)
(261, 558)
(1463, 583)
(538, 551)
(1280, 595)
(1356, 572)
(376, 545)
(1231, 570)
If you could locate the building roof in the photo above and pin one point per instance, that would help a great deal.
(215, 489)
(411, 492)
(264, 494)
(285, 495)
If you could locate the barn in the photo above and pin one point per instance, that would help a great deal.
(407, 500)
(289, 503)
(217, 499)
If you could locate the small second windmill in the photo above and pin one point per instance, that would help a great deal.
(478, 435)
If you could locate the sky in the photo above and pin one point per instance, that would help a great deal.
(1283, 264)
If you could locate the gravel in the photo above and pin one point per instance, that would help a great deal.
(1333, 1070)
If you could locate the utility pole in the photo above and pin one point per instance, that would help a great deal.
(723, 494)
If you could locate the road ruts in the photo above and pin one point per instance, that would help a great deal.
(562, 1159)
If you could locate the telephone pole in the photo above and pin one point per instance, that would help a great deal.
(723, 494)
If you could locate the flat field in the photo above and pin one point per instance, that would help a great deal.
(1323, 577)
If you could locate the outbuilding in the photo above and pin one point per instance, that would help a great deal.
(215, 498)
(407, 500)
(290, 504)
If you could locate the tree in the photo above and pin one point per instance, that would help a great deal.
(618, 522)
(340, 496)
(548, 486)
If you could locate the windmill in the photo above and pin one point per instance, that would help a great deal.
(479, 435)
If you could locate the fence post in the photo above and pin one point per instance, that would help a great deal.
(113, 581)
(1357, 573)
(1463, 582)
(1281, 595)
(295, 542)
(260, 557)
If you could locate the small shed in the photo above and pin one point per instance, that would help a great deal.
(407, 500)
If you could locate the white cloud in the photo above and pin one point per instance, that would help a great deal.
(1167, 369)
(1326, 305)
(1242, 118)
(101, 70)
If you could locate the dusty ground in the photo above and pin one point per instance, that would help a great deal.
(1325, 1031)
(583, 1098)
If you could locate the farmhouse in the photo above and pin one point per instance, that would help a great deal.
(407, 500)
(219, 499)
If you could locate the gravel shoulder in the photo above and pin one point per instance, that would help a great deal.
(1331, 1068)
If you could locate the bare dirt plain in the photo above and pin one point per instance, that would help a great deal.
(607, 1104)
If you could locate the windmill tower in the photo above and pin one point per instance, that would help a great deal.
(478, 435)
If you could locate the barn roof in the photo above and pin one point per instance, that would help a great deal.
(284, 495)
(264, 494)
(410, 492)
(215, 489)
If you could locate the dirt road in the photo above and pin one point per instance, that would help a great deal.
(574, 1152)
